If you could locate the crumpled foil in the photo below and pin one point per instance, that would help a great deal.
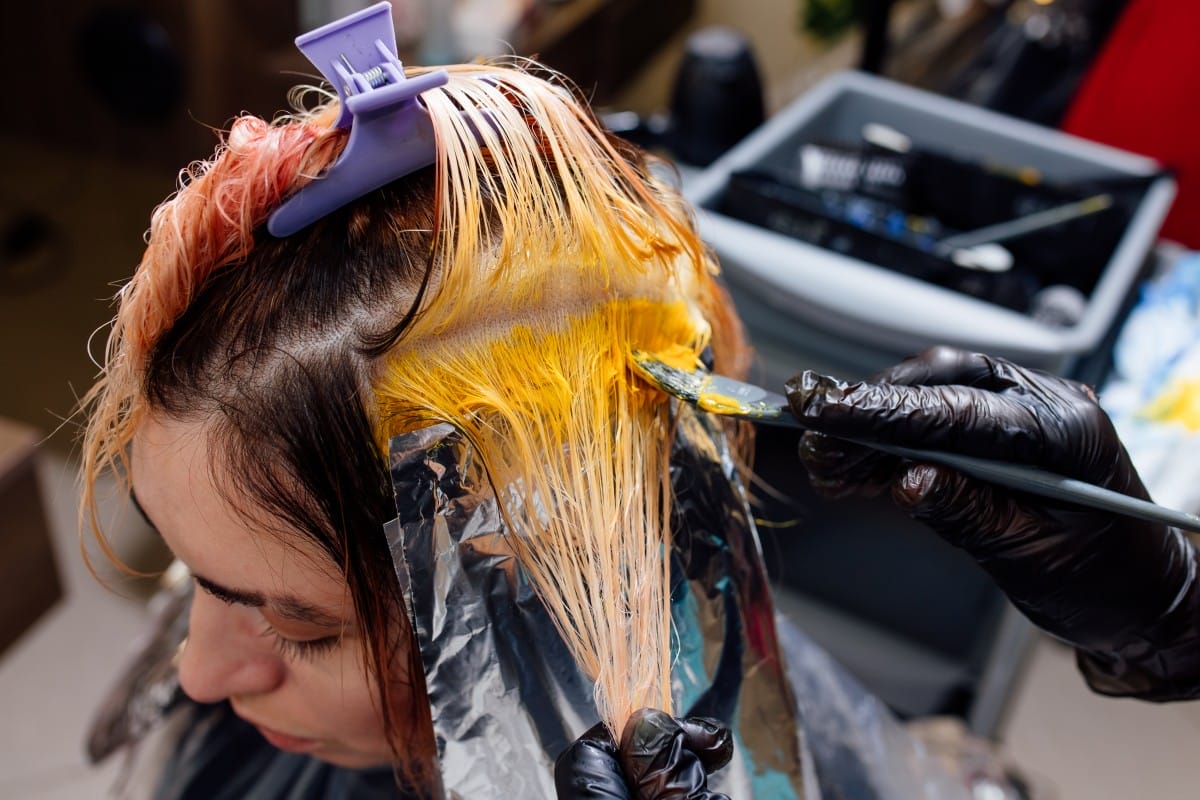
(506, 695)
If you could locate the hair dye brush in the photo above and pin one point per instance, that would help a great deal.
(726, 396)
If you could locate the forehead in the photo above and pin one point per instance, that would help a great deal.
(184, 484)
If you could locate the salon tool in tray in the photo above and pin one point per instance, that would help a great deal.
(726, 396)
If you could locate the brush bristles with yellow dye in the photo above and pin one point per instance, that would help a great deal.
(558, 254)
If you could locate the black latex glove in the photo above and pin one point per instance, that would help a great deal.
(1123, 591)
(660, 758)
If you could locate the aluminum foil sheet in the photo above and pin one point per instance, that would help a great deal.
(507, 697)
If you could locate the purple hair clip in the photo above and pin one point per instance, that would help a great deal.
(390, 132)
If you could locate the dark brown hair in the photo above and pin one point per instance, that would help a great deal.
(275, 354)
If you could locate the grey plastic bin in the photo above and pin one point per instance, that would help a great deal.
(913, 618)
(788, 285)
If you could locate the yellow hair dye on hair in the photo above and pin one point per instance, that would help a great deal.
(557, 255)
(577, 450)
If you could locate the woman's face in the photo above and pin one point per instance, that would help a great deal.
(272, 626)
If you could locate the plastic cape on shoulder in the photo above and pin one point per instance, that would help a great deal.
(859, 748)
(221, 757)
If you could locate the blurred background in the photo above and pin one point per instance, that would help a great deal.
(109, 99)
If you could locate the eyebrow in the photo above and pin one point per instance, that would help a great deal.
(287, 606)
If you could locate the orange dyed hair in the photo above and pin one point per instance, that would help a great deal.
(208, 224)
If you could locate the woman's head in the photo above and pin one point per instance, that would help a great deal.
(251, 383)
(250, 357)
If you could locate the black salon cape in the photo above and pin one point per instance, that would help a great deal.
(860, 751)
(221, 757)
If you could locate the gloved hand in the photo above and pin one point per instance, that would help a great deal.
(660, 758)
(1124, 591)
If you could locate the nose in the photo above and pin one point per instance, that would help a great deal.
(226, 655)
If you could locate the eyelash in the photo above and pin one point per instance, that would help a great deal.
(300, 650)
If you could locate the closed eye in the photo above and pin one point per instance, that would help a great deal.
(301, 649)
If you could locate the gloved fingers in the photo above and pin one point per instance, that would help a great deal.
(590, 769)
(940, 366)
(711, 741)
(1072, 434)
(946, 366)
(657, 762)
(1087, 577)
(956, 418)
(988, 521)
(837, 468)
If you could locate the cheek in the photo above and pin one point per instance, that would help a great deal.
(363, 717)
(349, 706)
(342, 706)
(355, 692)
(363, 730)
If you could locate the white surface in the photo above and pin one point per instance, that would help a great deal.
(53, 677)
(1082, 745)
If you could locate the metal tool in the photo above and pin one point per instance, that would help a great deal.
(1030, 223)
(726, 396)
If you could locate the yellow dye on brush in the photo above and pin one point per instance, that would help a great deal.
(722, 404)
(687, 362)
(679, 356)
(578, 453)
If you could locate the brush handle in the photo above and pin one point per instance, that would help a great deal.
(1026, 479)
(1048, 484)
(729, 397)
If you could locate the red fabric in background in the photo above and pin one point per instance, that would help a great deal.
(1142, 94)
